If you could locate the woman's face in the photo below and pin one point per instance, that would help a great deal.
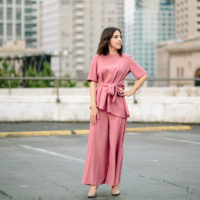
(116, 40)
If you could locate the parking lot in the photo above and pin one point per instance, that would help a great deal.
(158, 165)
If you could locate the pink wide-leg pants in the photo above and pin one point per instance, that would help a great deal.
(104, 155)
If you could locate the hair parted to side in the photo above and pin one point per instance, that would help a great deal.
(106, 35)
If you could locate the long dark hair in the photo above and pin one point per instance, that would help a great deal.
(106, 35)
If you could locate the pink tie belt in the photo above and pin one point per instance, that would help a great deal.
(113, 88)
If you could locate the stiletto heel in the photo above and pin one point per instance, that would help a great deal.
(92, 195)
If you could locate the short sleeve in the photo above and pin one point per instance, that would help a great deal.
(92, 75)
(135, 68)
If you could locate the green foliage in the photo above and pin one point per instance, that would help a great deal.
(86, 84)
(6, 72)
(5, 67)
(14, 83)
(46, 72)
(31, 72)
(67, 83)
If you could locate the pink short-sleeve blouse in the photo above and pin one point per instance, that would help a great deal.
(110, 72)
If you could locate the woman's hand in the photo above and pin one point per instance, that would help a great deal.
(126, 93)
(94, 114)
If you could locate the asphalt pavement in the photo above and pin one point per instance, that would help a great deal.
(157, 165)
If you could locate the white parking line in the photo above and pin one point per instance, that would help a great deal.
(132, 133)
(186, 141)
(52, 153)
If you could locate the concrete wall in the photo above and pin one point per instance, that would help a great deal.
(154, 105)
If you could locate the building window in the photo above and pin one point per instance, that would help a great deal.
(18, 14)
(197, 75)
(9, 29)
(1, 13)
(18, 30)
(182, 72)
(9, 2)
(18, 2)
(9, 13)
(1, 29)
(28, 10)
(28, 26)
(28, 3)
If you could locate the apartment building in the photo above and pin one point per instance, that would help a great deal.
(18, 21)
(187, 18)
(71, 31)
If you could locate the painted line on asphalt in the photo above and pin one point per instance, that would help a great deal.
(81, 131)
(132, 133)
(158, 128)
(185, 141)
(34, 133)
(86, 131)
(144, 129)
(52, 153)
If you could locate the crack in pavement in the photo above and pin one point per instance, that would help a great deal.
(5, 194)
(54, 183)
(187, 189)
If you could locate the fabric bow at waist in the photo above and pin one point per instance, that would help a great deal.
(112, 88)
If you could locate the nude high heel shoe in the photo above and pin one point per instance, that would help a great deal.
(92, 195)
(117, 192)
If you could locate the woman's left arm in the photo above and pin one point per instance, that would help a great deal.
(136, 86)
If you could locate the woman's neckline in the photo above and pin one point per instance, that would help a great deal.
(114, 55)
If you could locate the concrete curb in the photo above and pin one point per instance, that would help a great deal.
(86, 131)
(34, 133)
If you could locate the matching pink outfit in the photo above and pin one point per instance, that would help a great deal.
(104, 155)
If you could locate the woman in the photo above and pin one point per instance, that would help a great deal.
(109, 111)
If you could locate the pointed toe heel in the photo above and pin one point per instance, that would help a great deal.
(116, 193)
(92, 195)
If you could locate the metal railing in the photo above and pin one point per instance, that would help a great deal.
(58, 79)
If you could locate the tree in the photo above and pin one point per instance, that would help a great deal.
(6, 72)
(67, 83)
(31, 72)
(46, 72)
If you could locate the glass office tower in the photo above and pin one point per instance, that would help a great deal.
(152, 22)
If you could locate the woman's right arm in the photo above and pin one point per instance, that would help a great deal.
(94, 110)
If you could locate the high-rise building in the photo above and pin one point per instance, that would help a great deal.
(31, 8)
(146, 24)
(179, 58)
(18, 21)
(187, 18)
(71, 31)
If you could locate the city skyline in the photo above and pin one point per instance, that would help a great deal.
(69, 31)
